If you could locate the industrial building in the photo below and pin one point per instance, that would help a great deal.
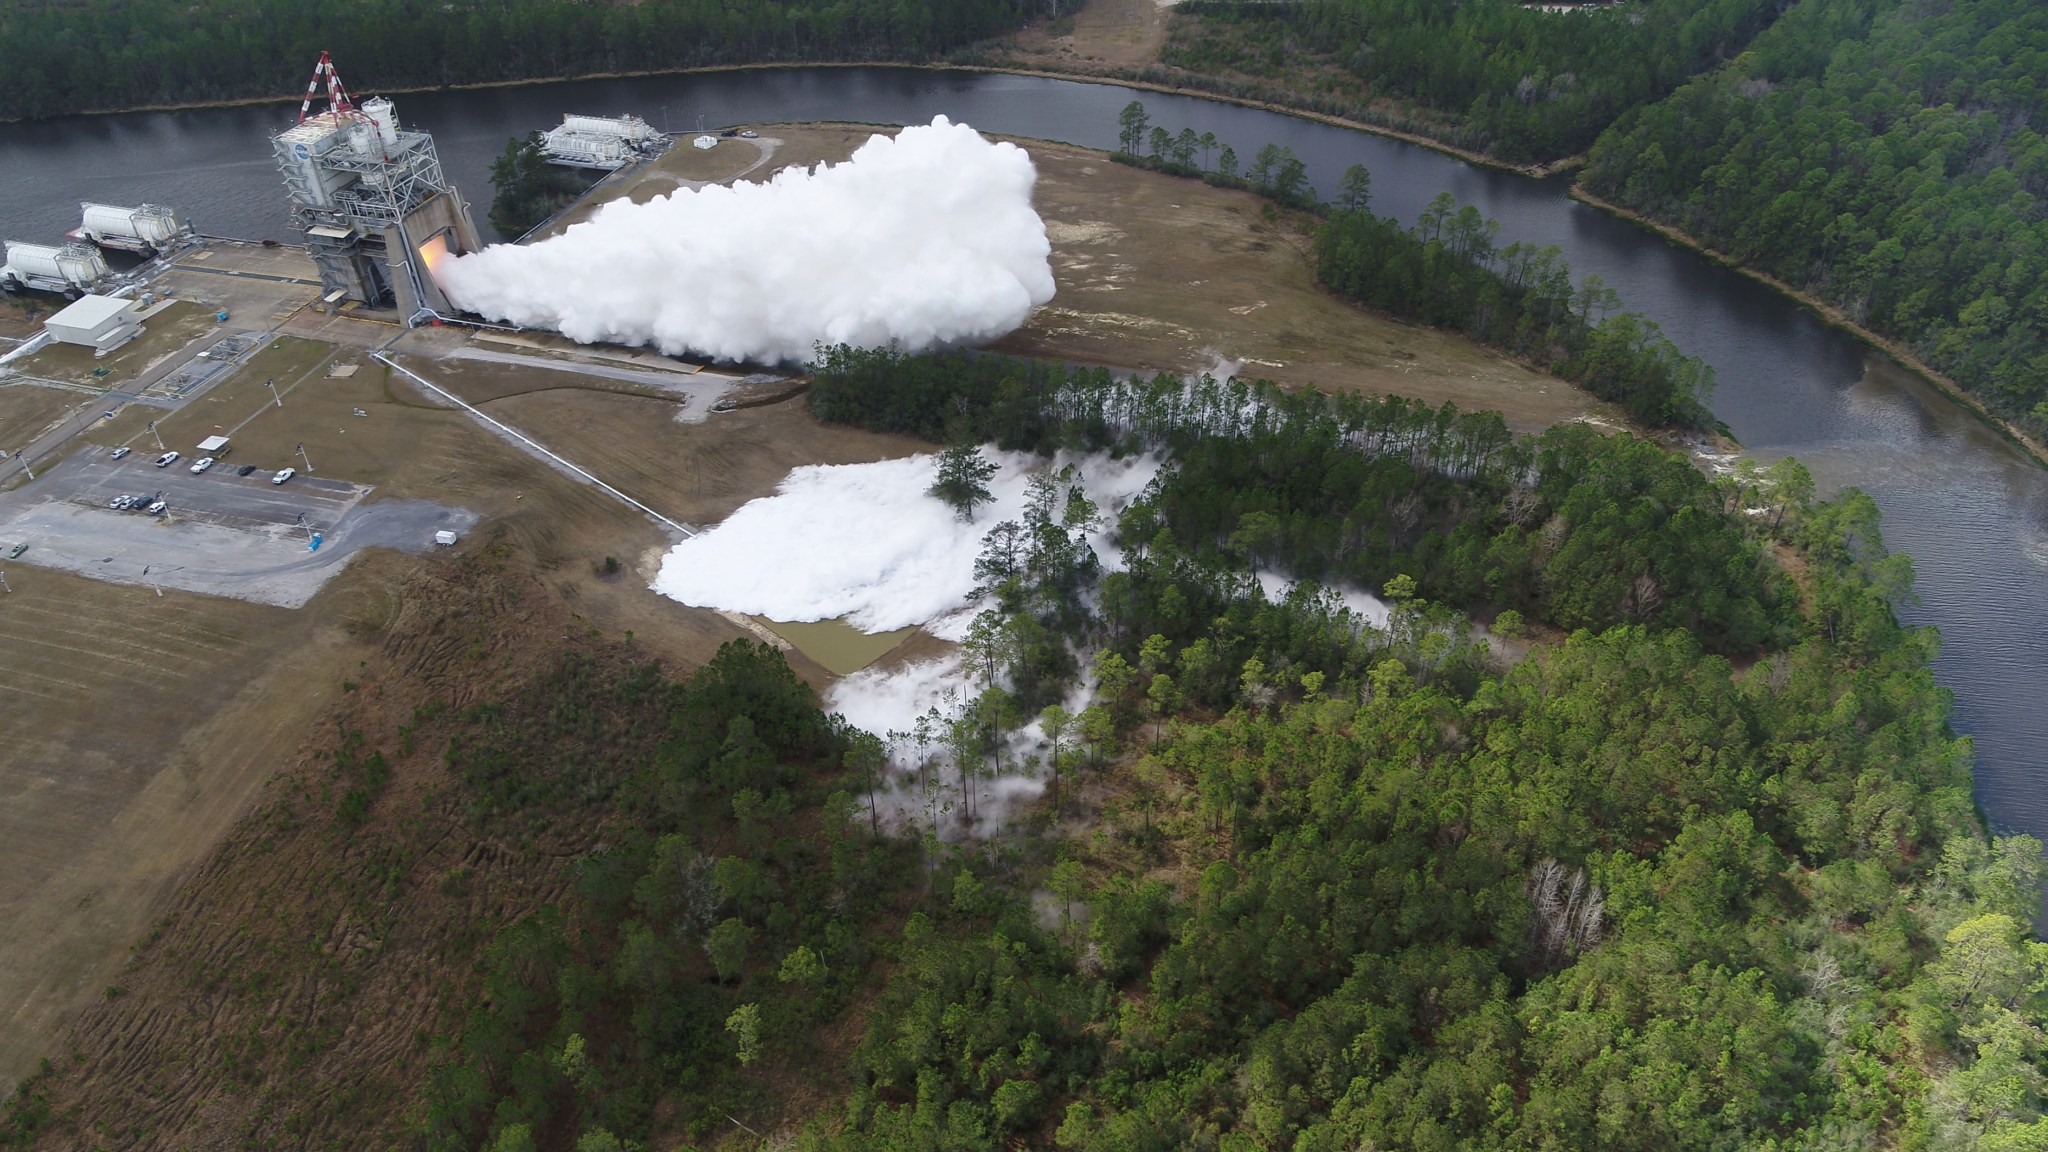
(70, 270)
(371, 199)
(101, 323)
(603, 142)
(146, 230)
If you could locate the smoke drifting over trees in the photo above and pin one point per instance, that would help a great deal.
(925, 239)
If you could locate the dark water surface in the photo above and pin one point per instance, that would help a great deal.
(1971, 510)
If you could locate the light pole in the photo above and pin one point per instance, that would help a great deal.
(664, 119)
(272, 385)
(23, 457)
(303, 460)
(3, 584)
(159, 440)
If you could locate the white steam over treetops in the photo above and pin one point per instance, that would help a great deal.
(868, 542)
(925, 239)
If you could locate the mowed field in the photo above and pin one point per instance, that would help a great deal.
(136, 726)
(29, 410)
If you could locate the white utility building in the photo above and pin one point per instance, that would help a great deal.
(101, 323)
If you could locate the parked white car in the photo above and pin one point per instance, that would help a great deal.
(167, 459)
(123, 450)
(284, 475)
(202, 465)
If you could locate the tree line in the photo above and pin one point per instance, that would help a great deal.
(1886, 157)
(1449, 271)
(1510, 80)
(106, 54)
(1571, 527)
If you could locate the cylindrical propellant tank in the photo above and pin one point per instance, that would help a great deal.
(146, 228)
(72, 267)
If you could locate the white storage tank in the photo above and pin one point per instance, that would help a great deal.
(384, 115)
(143, 229)
(55, 269)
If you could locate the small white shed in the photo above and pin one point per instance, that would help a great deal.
(101, 323)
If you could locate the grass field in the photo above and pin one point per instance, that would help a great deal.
(162, 335)
(29, 410)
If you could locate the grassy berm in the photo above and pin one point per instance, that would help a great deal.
(299, 989)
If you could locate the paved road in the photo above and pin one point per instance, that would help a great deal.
(698, 390)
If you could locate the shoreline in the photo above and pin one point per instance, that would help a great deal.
(1534, 171)
(1828, 313)
(1835, 318)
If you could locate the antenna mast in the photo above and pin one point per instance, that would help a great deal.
(337, 96)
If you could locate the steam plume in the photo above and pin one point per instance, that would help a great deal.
(928, 238)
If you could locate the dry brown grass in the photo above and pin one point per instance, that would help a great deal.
(1104, 36)
(1158, 272)
(137, 727)
(162, 335)
(29, 410)
(140, 728)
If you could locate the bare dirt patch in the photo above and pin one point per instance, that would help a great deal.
(22, 316)
(1160, 272)
(1105, 35)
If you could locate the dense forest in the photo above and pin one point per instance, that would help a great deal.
(526, 189)
(1495, 76)
(1884, 156)
(1678, 853)
(99, 54)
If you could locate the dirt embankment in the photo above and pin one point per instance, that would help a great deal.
(292, 991)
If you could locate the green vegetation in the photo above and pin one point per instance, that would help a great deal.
(101, 54)
(526, 189)
(1884, 156)
(1344, 886)
(963, 479)
(1494, 76)
(1697, 868)
(1572, 528)
(1449, 272)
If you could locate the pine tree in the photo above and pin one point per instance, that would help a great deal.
(963, 479)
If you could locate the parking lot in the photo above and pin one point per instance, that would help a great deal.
(216, 496)
(221, 534)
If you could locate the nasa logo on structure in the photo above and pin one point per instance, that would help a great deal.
(299, 150)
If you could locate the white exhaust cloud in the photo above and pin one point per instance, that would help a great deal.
(925, 239)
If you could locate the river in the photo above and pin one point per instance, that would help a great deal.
(1971, 509)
